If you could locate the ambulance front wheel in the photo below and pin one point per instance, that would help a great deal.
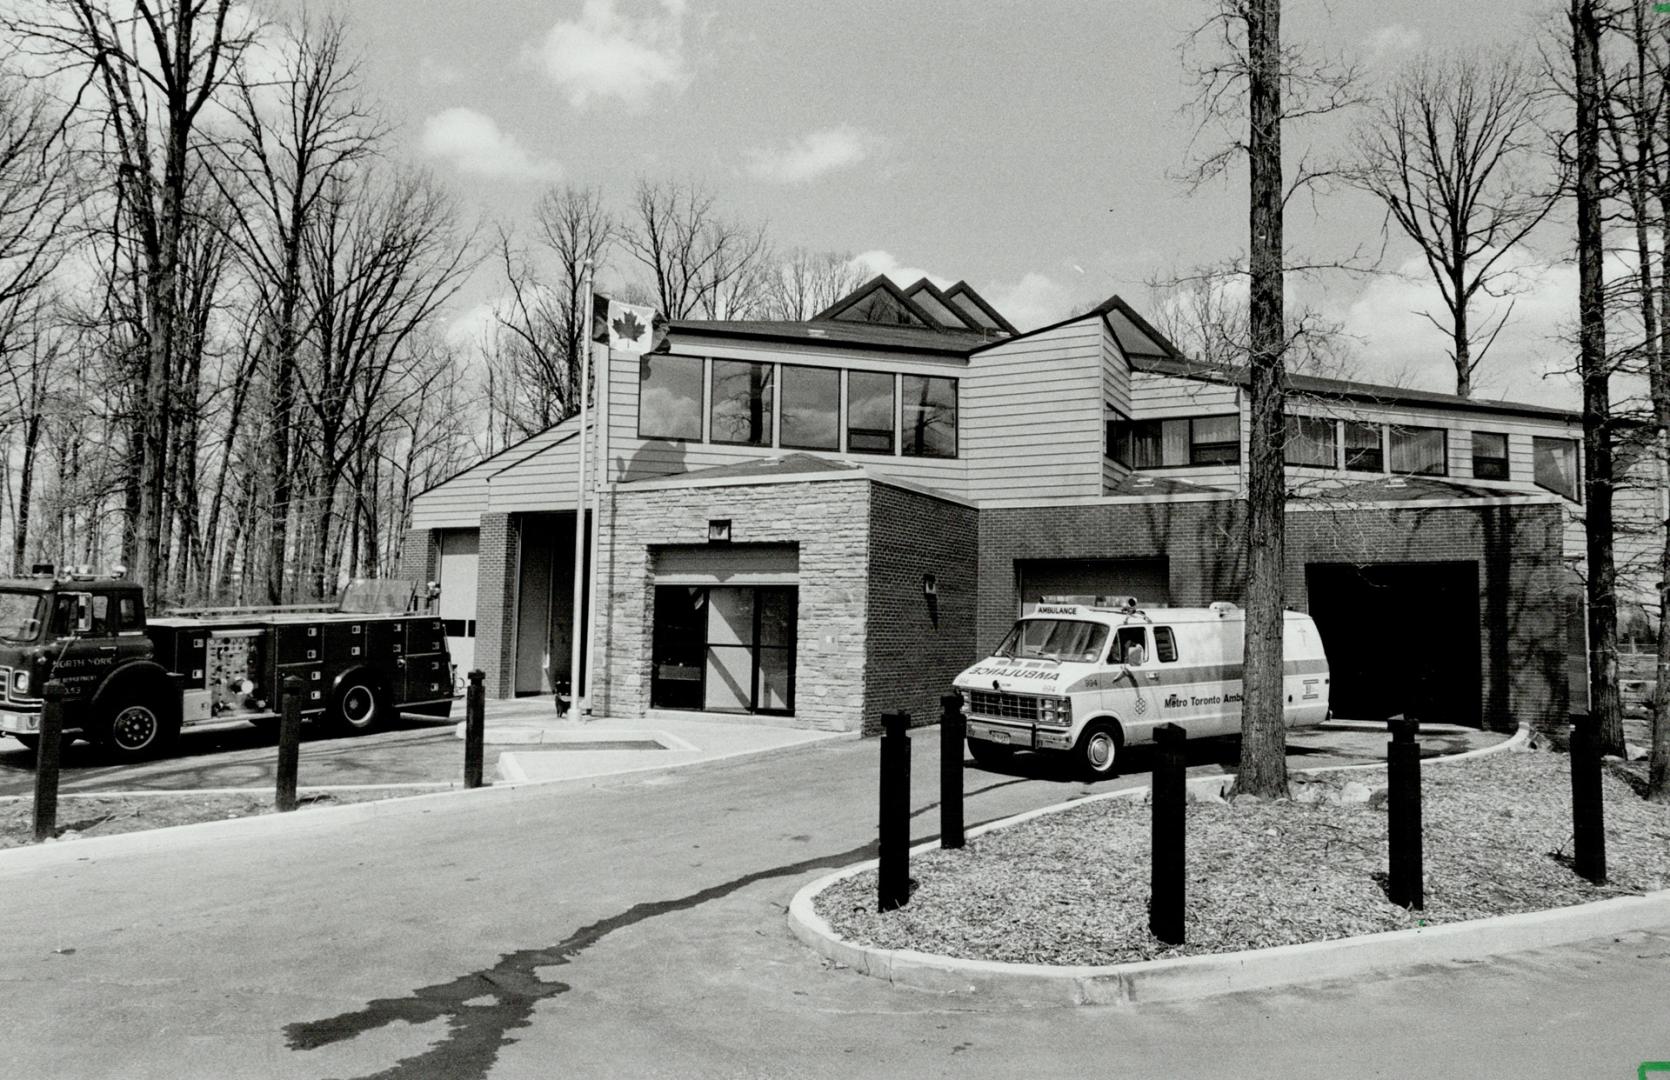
(1098, 750)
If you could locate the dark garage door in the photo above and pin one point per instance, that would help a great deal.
(1400, 637)
(1145, 579)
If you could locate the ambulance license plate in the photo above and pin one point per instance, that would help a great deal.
(998, 736)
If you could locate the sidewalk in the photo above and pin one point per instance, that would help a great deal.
(532, 743)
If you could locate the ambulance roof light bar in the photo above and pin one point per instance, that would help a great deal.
(1221, 607)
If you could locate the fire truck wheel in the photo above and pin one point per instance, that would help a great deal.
(989, 754)
(358, 706)
(137, 730)
(1098, 751)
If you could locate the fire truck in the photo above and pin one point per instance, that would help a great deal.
(133, 683)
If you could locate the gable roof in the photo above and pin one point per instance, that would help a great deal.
(975, 307)
(937, 304)
(881, 302)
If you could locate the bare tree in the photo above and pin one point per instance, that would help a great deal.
(1452, 153)
(296, 134)
(701, 264)
(149, 67)
(804, 283)
(1254, 77)
(1586, 19)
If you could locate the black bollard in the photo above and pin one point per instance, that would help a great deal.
(951, 728)
(475, 723)
(46, 759)
(289, 743)
(893, 874)
(1168, 859)
(1588, 821)
(1406, 882)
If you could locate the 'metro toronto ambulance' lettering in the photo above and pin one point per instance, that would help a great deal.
(1089, 676)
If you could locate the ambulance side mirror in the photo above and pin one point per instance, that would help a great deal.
(1134, 656)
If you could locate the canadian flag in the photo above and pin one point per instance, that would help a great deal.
(629, 328)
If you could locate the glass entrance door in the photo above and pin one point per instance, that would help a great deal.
(724, 648)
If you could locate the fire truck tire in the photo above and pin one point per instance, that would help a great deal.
(1097, 753)
(358, 706)
(989, 754)
(134, 730)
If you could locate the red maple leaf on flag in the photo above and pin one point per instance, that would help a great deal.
(628, 327)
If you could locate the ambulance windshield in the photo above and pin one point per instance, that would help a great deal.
(1055, 639)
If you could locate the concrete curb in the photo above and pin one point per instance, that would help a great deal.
(207, 832)
(1195, 977)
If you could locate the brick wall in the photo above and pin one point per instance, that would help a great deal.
(420, 555)
(915, 644)
(1517, 550)
(496, 602)
(829, 523)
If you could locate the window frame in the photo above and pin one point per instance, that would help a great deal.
(1392, 431)
(1506, 458)
(846, 425)
(1576, 495)
(1195, 445)
(1121, 423)
(771, 391)
(1294, 420)
(1345, 447)
(701, 403)
(956, 412)
(840, 398)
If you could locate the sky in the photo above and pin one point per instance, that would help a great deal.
(1033, 148)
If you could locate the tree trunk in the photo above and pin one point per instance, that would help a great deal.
(1263, 767)
(25, 484)
(1597, 393)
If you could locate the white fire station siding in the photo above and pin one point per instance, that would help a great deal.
(1032, 418)
(460, 501)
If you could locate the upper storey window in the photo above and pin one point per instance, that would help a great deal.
(670, 397)
(929, 415)
(1554, 466)
(1154, 444)
(742, 403)
(1311, 441)
(1420, 451)
(1364, 447)
(1490, 455)
(811, 408)
(871, 412)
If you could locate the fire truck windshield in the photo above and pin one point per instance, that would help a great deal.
(1055, 639)
(20, 616)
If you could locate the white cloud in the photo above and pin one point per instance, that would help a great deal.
(1389, 42)
(477, 325)
(885, 262)
(817, 153)
(473, 143)
(1526, 362)
(1033, 301)
(605, 54)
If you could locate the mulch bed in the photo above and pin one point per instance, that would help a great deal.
(1072, 887)
(105, 815)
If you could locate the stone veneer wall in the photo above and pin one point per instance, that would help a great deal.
(828, 520)
(1522, 635)
(915, 645)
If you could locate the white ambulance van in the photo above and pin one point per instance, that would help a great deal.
(1089, 676)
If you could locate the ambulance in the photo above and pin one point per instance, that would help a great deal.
(1089, 676)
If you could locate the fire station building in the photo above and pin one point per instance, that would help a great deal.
(829, 519)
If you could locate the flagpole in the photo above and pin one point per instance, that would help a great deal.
(600, 469)
(580, 591)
